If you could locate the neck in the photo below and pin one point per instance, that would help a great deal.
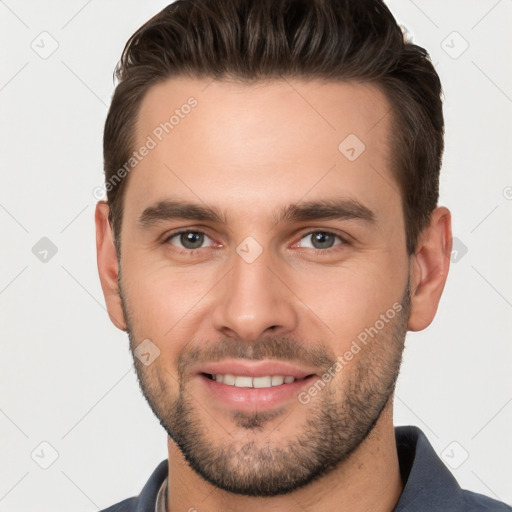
(369, 480)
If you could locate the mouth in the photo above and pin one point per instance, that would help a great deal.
(246, 381)
(250, 386)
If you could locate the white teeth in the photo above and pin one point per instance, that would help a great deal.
(277, 380)
(262, 382)
(244, 381)
(229, 379)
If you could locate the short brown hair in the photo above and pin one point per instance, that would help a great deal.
(251, 40)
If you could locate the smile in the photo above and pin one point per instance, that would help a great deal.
(253, 385)
(245, 381)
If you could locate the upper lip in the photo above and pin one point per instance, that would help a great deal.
(255, 368)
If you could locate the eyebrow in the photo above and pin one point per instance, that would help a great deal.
(341, 209)
(173, 209)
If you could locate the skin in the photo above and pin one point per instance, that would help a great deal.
(250, 150)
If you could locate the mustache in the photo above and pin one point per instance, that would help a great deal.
(274, 348)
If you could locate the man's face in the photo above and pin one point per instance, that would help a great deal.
(305, 265)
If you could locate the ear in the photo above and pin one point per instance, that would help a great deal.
(429, 269)
(108, 265)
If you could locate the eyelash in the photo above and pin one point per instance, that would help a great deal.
(343, 241)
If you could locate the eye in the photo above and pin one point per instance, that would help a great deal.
(321, 240)
(189, 240)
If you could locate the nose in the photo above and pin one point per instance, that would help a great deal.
(254, 300)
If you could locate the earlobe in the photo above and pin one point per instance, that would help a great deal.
(108, 265)
(429, 269)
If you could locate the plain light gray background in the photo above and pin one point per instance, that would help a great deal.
(66, 373)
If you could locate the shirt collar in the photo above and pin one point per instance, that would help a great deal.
(161, 498)
(428, 484)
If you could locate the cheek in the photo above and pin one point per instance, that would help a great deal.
(350, 299)
(161, 301)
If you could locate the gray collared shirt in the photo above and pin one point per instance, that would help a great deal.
(161, 498)
(428, 484)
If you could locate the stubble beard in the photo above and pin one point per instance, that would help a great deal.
(339, 419)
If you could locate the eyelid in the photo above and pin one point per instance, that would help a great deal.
(167, 237)
(345, 239)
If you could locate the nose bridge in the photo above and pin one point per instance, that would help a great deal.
(253, 300)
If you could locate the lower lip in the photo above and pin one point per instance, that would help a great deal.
(254, 399)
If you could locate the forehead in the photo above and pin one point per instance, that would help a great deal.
(277, 140)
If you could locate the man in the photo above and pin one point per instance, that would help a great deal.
(271, 233)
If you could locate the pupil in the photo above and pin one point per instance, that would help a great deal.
(192, 240)
(322, 240)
